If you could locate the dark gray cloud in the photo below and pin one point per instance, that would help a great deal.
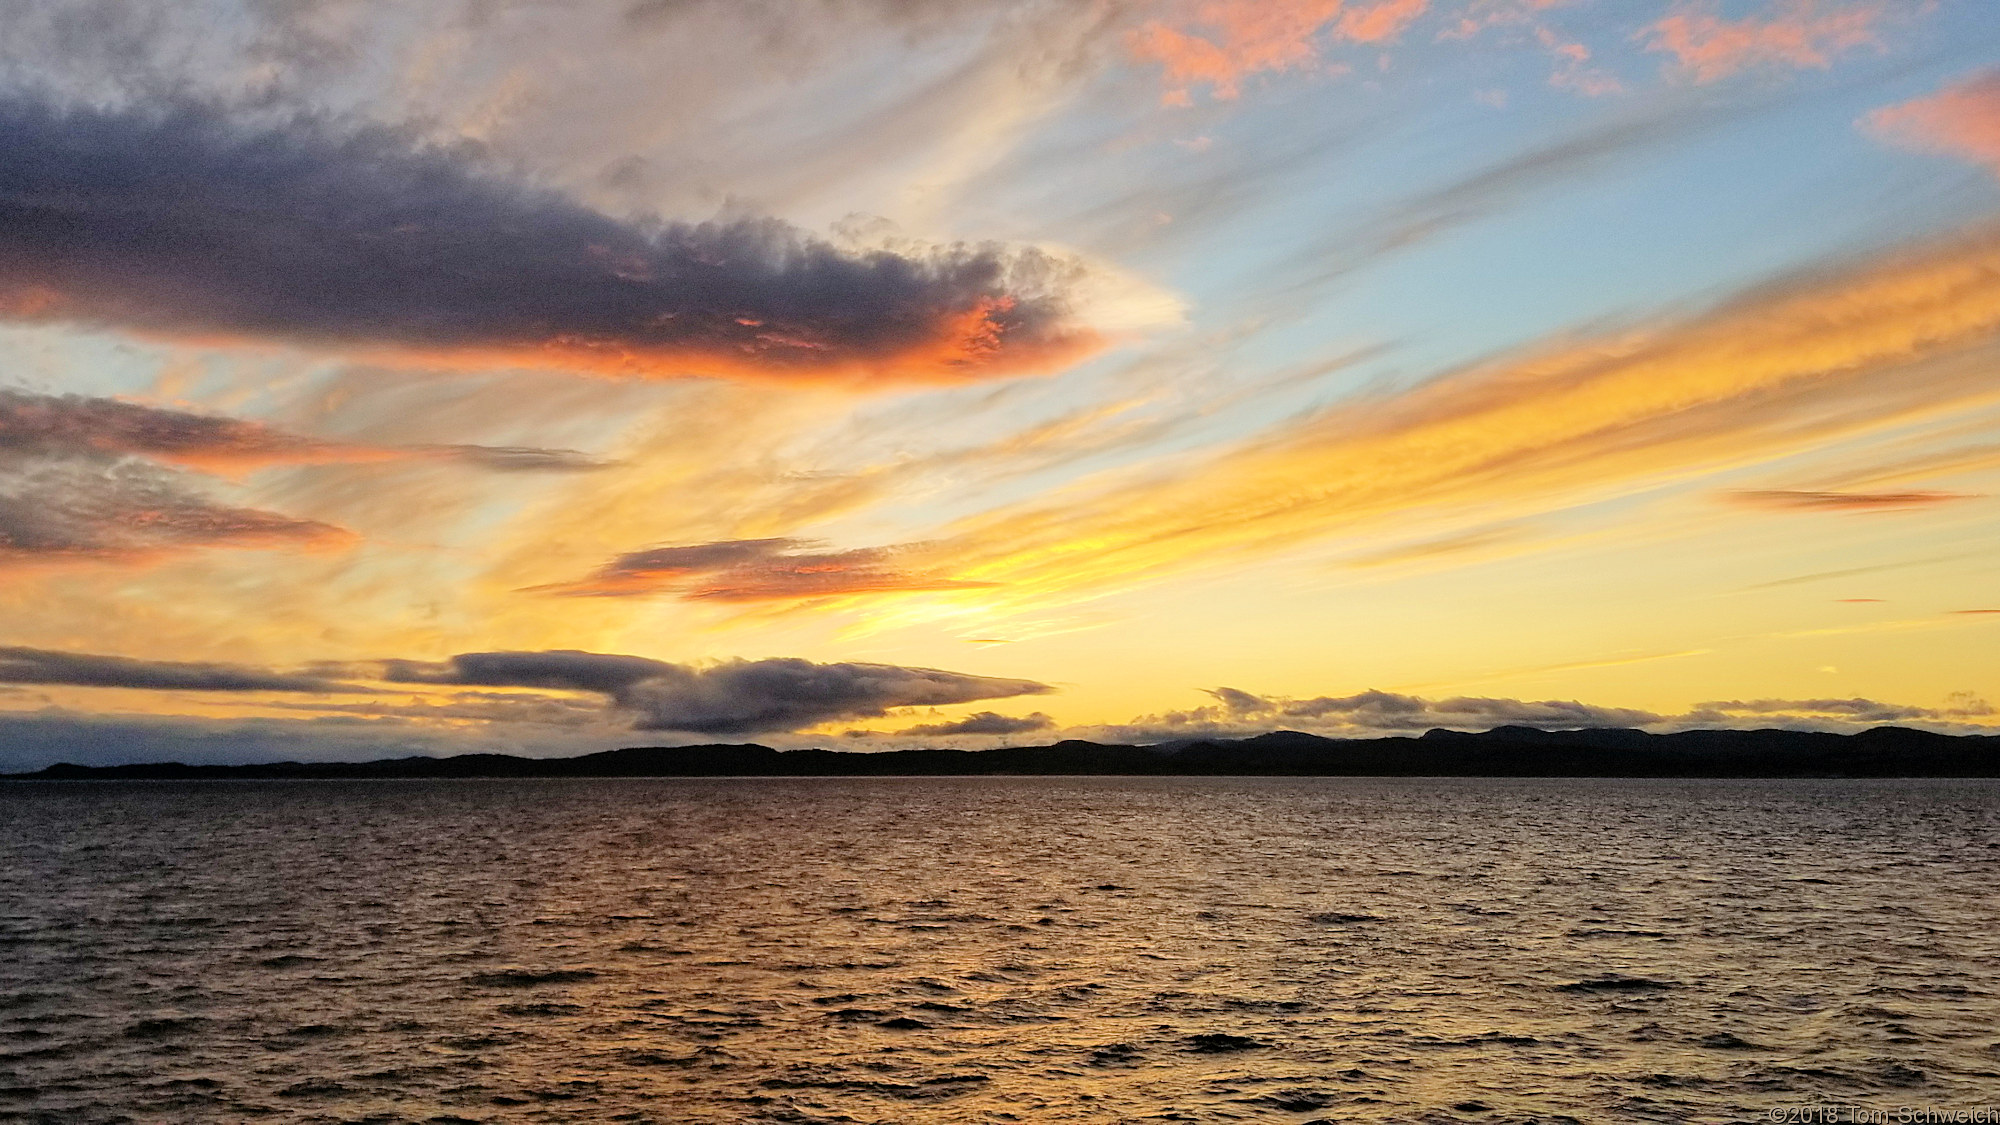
(98, 428)
(604, 673)
(179, 221)
(985, 722)
(747, 570)
(54, 511)
(734, 697)
(81, 669)
(745, 696)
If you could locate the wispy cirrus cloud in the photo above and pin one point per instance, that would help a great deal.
(1786, 366)
(89, 480)
(56, 511)
(79, 425)
(1805, 500)
(185, 222)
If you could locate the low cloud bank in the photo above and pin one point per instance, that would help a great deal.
(1371, 714)
(984, 722)
(539, 703)
(733, 697)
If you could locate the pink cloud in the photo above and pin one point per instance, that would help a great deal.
(1798, 34)
(1220, 43)
(1960, 120)
(1383, 21)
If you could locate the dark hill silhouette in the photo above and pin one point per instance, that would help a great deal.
(1501, 752)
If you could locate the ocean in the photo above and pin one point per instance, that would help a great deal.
(1052, 949)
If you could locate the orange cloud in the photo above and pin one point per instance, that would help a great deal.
(1960, 120)
(1780, 369)
(1799, 34)
(1223, 42)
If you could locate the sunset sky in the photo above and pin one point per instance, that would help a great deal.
(548, 376)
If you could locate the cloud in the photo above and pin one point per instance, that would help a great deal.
(1381, 21)
(1367, 714)
(984, 722)
(1843, 501)
(1796, 34)
(1833, 351)
(1383, 710)
(181, 222)
(1961, 120)
(78, 425)
(81, 669)
(1371, 714)
(604, 673)
(75, 424)
(1420, 217)
(746, 570)
(1220, 43)
(54, 511)
(1573, 69)
(483, 707)
(516, 458)
(79, 479)
(733, 697)
(1855, 710)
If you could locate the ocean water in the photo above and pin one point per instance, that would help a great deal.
(997, 950)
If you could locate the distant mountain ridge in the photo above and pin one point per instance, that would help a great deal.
(1510, 751)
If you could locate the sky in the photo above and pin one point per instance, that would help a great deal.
(548, 376)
